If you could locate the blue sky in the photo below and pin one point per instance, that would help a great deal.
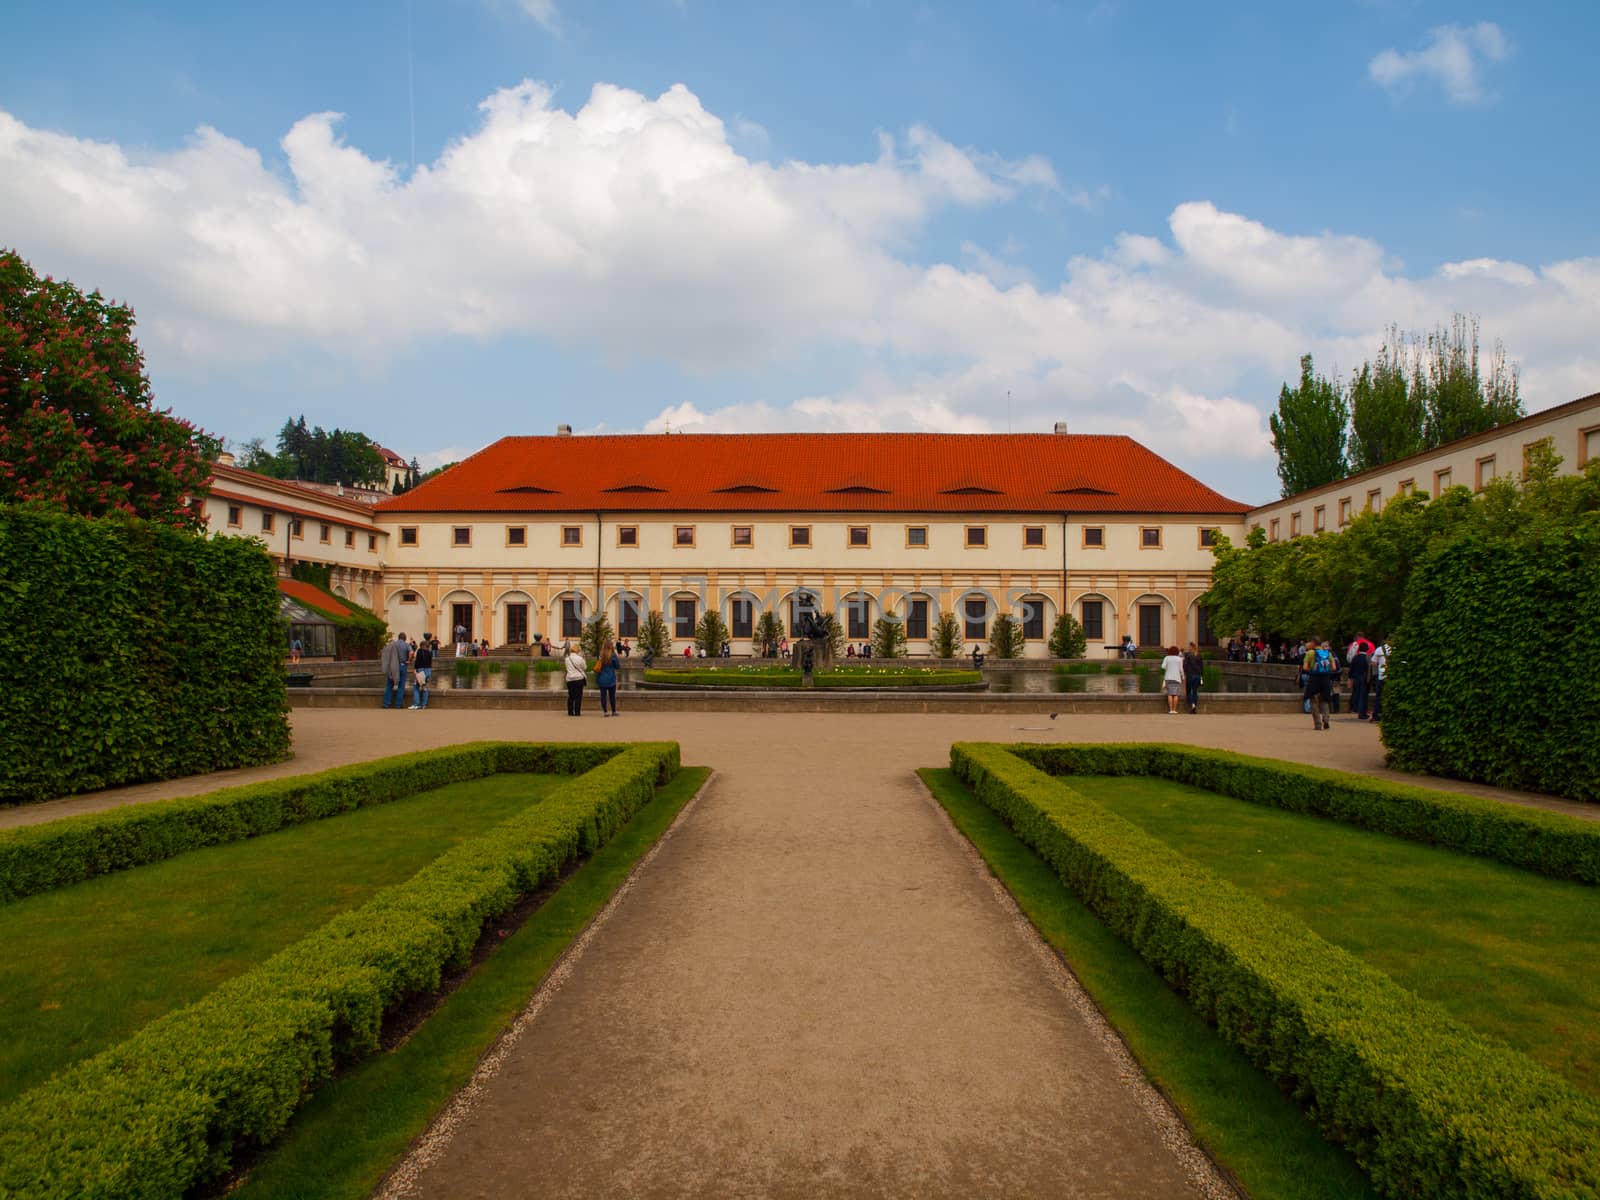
(1134, 217)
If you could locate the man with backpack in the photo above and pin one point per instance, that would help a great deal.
(1320, 668)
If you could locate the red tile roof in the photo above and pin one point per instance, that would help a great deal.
(816, 472)
(297, 590)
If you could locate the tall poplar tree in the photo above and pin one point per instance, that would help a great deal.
(1309, 431)
(1387, 413)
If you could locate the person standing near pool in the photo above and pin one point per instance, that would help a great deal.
(1172, 676)
(605, 677)
(1194, 669)
(577, 670)
(423, 668)
(393, 660)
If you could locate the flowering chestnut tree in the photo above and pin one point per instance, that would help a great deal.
(79, 429)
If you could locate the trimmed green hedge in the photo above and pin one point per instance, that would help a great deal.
(37, 858)
(1427, 1107)
(170, 1107)
(1492, 675)
(137, 652)
(1549, 843)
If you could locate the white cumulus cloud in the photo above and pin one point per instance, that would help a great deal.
(1453, 58)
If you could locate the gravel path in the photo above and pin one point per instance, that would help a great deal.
(812, 989)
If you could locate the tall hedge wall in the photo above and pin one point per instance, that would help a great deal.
(134, 652)
(1495, 670)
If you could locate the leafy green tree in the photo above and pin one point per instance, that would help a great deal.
(833, 631)
(768, 631)
(1387, 414)
(654, 635)
(1067, 639)
(1457, 399)
(946, 641)
(1309, 431)
(1005, 636)
(596, 633)
(79, 430)
(889, 637)
(711, 632)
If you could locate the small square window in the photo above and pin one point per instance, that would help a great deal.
(744, 535)
(516, 535)
(860, 537)
(977, 536)
(350, 539)
(461, 535)
(325, 532)
(683, 535)
(1150, 537)
(235, 515)
(267, 522)
(917, 535)
(627, 535)
(372, 541)
(1033, 537)
(1094, 537)
(572, 535)
(408, 535)
(297, 527)
(1208, 538)
(408, 597)
(799, 535)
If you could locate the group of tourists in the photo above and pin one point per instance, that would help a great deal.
(1182, 672)
(577, 670)
(401, 658)
(1367, 663)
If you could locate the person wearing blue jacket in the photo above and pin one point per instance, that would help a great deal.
(605, 677)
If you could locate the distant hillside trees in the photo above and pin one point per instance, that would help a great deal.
(1421, 391)
(314, 455)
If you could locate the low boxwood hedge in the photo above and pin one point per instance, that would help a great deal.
(168, 1108)
(735, 678)
(1428, 1107)
(1549, 843)
(36, 858)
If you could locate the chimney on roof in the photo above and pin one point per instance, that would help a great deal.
(225, 459)
(1061, 427)
(563, 430)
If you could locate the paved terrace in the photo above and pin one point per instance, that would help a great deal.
(811, 987)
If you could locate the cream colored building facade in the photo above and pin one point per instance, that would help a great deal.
(302, 524)
(511, 575)
(1573, 431)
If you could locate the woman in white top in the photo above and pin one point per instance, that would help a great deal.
(1172, 671)
(577, 671)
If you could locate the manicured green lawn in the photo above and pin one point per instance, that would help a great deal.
(351, 1130)
(1509, 953)
(1238, 1115)
(85, 966)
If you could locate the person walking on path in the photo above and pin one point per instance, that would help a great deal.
(1319, 665)
(1194, 669)
(1360, 677)
(393, 660)
(423, 669)
(1378, 669)
(1172, 674)
(605, 676)
(577, 670)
